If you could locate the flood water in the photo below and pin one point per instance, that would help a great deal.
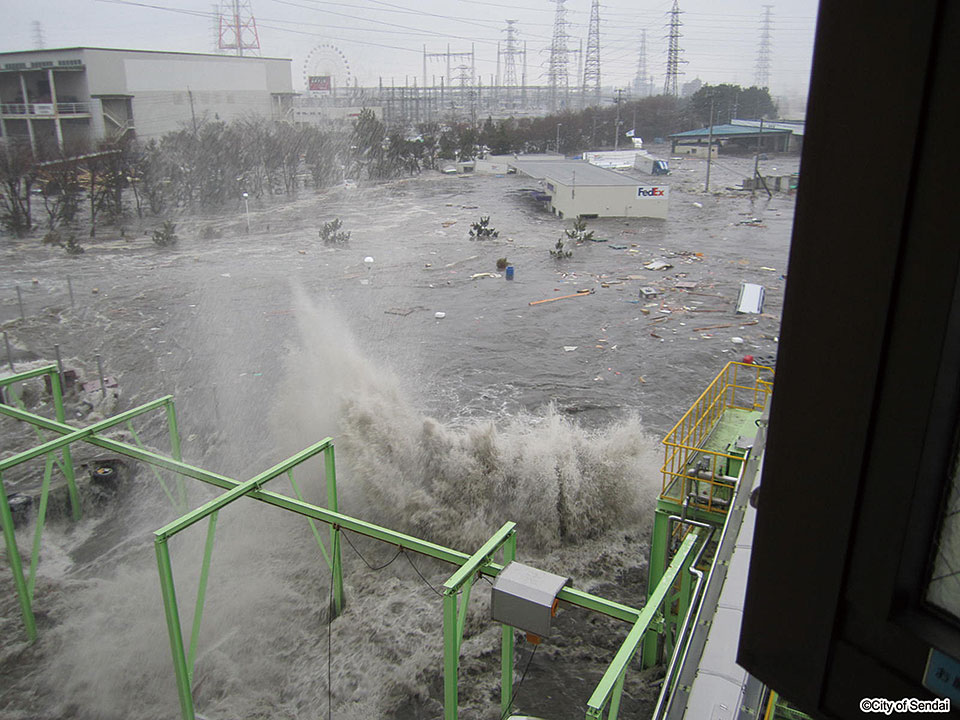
(444, 427)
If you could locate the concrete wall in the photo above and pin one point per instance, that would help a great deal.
(696, 150)
(609, 201)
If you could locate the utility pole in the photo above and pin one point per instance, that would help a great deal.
(706, 187)
(558, 137)
(193, 114)
(616, 129)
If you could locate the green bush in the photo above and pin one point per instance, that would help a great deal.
(166, 235)
(331, 234)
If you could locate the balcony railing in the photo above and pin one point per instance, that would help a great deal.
(45, 109)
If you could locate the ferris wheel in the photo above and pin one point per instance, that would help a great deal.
(326, 71)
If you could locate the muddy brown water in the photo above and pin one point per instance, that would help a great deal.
(549, 415)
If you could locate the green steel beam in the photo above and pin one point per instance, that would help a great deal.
(479, 558)
(618, 667)
(201, 595)
(67, 466)
(330, 471)
(16, 567)
(239, 490)
(28, 374)
(38, 530)
(311, 521)
(75, 434)
(424, 547)
(506, 640)
(450, 700)
(168, 591)
(454, 619)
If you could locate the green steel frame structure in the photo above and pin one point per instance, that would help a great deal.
(702, 464)
(604, 703)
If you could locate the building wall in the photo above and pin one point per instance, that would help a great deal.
(609, 201)
(166, 90)
(696, 150)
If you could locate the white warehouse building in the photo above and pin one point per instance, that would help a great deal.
(575, 188)
(71, 98)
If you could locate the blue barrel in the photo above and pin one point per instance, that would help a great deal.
(509, 272)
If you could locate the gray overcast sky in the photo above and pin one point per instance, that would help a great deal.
(720, 38)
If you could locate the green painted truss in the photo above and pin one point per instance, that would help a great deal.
(603, 703)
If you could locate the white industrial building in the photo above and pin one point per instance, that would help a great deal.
(575, 188)
(72, 97)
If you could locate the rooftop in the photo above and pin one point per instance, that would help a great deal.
(731, 131)
(568, 172)
(6, 53)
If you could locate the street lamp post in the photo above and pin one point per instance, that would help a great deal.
(246, 207)
(558, 137)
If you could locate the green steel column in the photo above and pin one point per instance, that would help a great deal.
(450, 655)
(201, 594)
(506, 639)
(175, 449)
(311, 521)
(173, 628)
(615, 697)
(686, 583)
(330, 469)
(658, 563)
(67, 466)
(462, 612)
(41, 518)
(13, 555)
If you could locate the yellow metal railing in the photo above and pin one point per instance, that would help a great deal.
(691, 471)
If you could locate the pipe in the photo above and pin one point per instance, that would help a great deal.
(660, 707)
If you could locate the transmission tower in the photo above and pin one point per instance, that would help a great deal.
(510, 54)
(39, 43)
(642, 83)
(238, 27)
(762, 74)
(591, 65)
(557, 74)
(673, 53)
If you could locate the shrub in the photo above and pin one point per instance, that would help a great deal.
(71, 245)
(481, 229)
(166, 235)
(579, 232)
(559, 252)
(331, 234)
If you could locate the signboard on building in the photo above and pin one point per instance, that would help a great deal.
(319, 83)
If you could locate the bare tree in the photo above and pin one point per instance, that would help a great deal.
(16, 180)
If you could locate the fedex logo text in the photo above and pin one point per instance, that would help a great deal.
(650, 192)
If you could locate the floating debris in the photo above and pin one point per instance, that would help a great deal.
(750, 299)
(579, 293)
(658, 265)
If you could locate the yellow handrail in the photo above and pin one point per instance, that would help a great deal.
(684, 443)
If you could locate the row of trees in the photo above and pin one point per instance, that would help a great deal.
(206, 166)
